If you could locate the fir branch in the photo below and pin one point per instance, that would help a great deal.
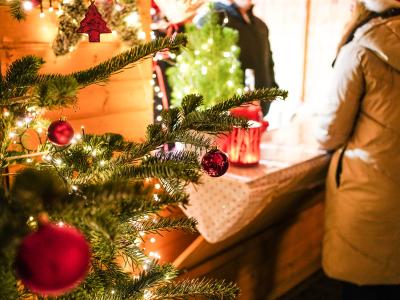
(132, 255)
(212, 289)
(153, 278)
(162, 224)
(212, 122)
(16, 9)
(103, 70)
(58, 91)
(160, 169)
(191, 102)
(268, 94)
(68, 24)
(191, 137)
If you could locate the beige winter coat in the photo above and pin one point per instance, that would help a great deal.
(362, 233)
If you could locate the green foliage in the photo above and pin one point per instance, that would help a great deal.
(15, 7)
(209, 65)
(103, 184)
(73, 12)
(211, 289)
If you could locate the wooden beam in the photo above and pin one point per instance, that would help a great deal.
(306, 42)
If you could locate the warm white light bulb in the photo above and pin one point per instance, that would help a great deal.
(41, 15)
(27, 5)
(141, 35)
(131, 19)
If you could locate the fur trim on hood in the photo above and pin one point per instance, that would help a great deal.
(380, 5)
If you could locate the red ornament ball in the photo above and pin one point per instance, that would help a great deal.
(215, 163)
(60, 133)
(53, 260)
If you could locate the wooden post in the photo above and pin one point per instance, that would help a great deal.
(306, 41)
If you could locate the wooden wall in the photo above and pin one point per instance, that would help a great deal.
(304, 35)
(124, 105)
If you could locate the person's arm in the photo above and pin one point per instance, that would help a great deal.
(339, 111)
(271, 73)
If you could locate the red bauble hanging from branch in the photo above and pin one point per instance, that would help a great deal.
(60, 133)
(93, 24)
(215, 163)
(53, 260)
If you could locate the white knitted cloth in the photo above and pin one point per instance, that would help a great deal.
(225, 205)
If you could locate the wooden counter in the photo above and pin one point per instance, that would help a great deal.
(281, 245)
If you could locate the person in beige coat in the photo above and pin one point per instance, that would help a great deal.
(361, 123)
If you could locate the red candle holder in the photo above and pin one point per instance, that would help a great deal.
(243, 145)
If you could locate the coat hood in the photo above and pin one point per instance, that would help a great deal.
(380, 5)
(382, 36)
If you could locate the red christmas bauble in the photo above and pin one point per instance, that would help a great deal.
(215, 163)
(53, 260)
(35, 2)
(60, 133)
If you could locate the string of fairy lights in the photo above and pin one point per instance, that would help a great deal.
(33, 122)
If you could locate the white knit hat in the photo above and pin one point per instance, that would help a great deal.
(380, 5)
(177, 11)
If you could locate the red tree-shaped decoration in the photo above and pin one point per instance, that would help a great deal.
(93, 24)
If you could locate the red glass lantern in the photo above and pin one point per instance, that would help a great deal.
(243, 145)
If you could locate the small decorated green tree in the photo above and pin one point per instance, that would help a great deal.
(209, 65)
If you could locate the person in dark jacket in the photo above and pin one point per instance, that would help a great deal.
(255, 50)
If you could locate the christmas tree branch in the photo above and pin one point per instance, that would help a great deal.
(212, 289)
(159, 224)
(264, 95)
(15, 8)
(103, 70)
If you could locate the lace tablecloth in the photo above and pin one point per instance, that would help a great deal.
(225, 205)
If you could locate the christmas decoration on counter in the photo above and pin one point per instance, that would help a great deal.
(60, 133)
(209, 65)
(215, 163)
(53, 260)
(93, 24)
(109, 189)
(243, 145)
